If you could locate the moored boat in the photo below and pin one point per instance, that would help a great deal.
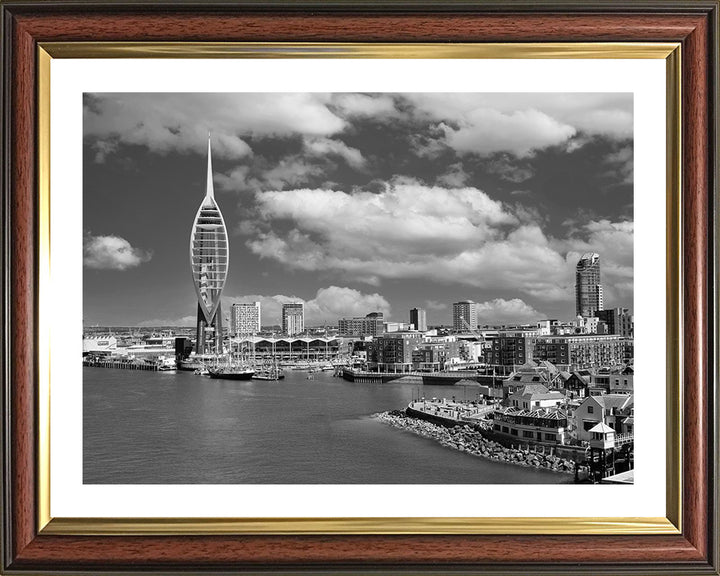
(267, 376)
(231, 373)
(269, 373)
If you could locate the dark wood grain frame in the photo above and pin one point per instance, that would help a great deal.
(694, 24)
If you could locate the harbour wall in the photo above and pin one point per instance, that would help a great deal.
(426, 378)
(465, 438)
(574, 453)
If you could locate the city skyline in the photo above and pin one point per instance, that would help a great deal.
(382, 202)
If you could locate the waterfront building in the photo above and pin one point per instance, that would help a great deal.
(618, 320)
(580, 351)
(543, 374)
(209, 260)
(577, 385)
(293, 318)
(510, 349)
(99, 344)
(294, 348)
(614, 410)
(369, 325)
(393, 352)
(622, 383)
(465, 314)
(245, 318)
(532, 398)
(615, 382)
(418, 317)
(588, 289)
(536, 425)
(432, 356)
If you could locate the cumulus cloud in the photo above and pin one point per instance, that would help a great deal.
(621, 163)
(470, 123)
(181, 122)
(327, 146)
(406, 217)
(102, 149)
(318, 158)
(327, 306)
(518, 124)
(455, 177)
(486, 131)
(412, 231)
(409, 231)
(288, 172)
(509, 170)
(605, 114)
(501, 311)
(367, 105)
(112, 253)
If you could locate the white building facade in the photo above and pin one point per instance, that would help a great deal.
(245, 319)
(293, 318)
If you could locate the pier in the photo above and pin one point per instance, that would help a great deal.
(445, 378)
(123, 364)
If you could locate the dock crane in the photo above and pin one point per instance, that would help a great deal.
(472, 331)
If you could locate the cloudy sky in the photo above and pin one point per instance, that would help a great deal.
(354, 203)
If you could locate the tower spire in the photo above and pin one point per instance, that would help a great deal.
(209, 190)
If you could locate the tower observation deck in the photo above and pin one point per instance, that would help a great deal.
(209, 260)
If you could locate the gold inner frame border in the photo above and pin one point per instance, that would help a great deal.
(670, 524)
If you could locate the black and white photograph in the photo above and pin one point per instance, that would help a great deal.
(358, 288)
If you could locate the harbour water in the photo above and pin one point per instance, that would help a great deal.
(179, 428)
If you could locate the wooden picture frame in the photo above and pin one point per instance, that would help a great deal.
(30, 545)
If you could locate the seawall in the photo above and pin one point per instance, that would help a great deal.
(467, 439)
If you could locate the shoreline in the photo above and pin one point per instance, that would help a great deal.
(465, 439)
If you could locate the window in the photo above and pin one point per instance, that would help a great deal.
(513, 432)
(505, 429)
(551, 437)
(527, 434)
(496, 427)
(587, 425)
(590, 409)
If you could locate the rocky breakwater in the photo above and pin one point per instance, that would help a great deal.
(468, 439)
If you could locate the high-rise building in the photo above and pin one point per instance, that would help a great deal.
(209, 259)
(588, 289)
(245, 319)
(293, 318)
(465, 314)
(419, 318)
(618, 320)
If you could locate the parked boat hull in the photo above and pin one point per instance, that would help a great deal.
(231, 374)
